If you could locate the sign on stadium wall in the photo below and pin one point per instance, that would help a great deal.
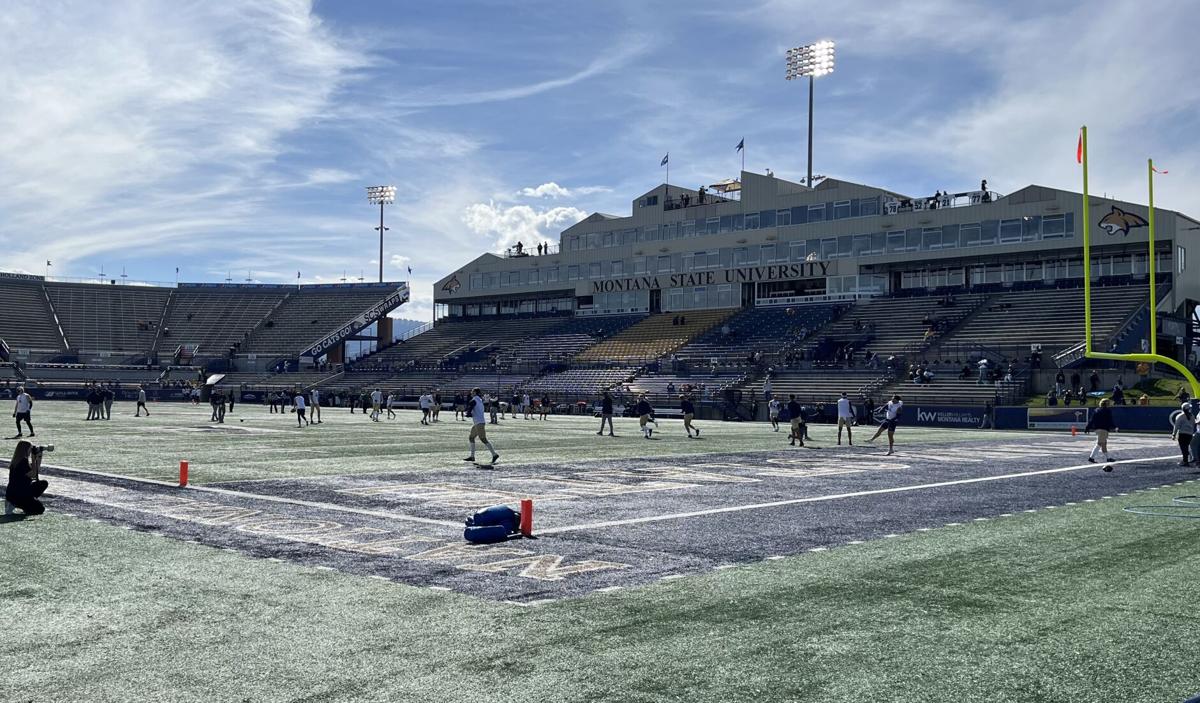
(751, 274)
(22, 276)
(353, 327)
(967, 416)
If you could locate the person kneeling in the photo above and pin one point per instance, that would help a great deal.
(24, 485)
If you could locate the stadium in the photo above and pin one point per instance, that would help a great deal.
(763, 439)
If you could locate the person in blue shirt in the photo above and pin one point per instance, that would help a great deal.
(689, 411)
(1102, 423)
(796, 415)
(645, 415)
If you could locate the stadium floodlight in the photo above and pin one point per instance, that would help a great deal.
(381, 195)
(811, 61)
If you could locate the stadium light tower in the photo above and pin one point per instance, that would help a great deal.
(813, 60)
(381, 195)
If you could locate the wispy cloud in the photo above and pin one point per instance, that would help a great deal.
(554, 190)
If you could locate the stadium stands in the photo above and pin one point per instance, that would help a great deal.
(767, 330)
(503, 384)
(98, 318)
(450, 338)
(820, 386)
(307, 315)
(948, 389)
(567, 340)
(211, 320)
(26, 320)
(653, 337)
(580, 384)
(666, 388)
(893, 326)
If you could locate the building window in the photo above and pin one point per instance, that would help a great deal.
(841, 209)
(868, 207)
(1181, 259)
(1054, 226)
(572, 273)
(594, 269)
(816, 213)
(608, 239)
(639, 265)
(1010, 231)
(783, 218)
(618, 268)
(751, 220)
(797, 250)
(766, 218)
(664, 264)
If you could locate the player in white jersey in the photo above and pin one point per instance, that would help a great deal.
(477, 409)
(426, 403)
(890, 418)
(23, 410)
(391, 403)
(376, 404)
(845, 419)
(315, 396)
(526, 407)
(773, 413)
(298, 405)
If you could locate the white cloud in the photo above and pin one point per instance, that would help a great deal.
(506, 226)
(554, 190)
(401, 262)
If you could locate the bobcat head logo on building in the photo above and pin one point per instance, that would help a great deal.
(452, 285)
(1120, 221)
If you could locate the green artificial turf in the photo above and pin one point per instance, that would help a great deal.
(1083, 603)
(254, 444)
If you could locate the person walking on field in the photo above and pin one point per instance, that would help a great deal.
(773, 413)
(606, 414)
(796, 417)
(478, 411)
(689, 411)
(23, 410)
(141, 402)
(298, 406)
(645, 414)
(1102, 423)
(1183, 427)
(315, 396)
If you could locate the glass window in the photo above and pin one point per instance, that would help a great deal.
(617, 268)
(799, 215)
(739, 256)
(593, 240)
(714, 225)
(1121, 265)
(633, 235)
(751, 220)
(664, 264)
(726, 223)
(1031, 227)
(1180, 259)
(841, 209)
(861, 244)
(1010, 231)
(988, 231)
(950, 236)
(931, 238)
(608, 239)
(844, 245)
(767, 253)
(895, 242)
(594, 269)
(912, 239)
(534, 276)
(828, 248)
(552, 274)
(766, 218)
(1070, 224)
(572, 273)
(783, 218)
(688, 228)
(969, 234)
(476, 281)
(573, 243)
(869, 207)
(797, 250)
(1054, 226)
(816, 213)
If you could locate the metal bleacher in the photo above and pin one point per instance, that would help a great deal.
(108, 318)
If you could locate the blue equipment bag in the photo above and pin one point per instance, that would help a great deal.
(493, 524)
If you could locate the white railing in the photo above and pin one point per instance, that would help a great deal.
(813, 299)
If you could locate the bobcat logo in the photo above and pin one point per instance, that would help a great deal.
(1120, 221)
(452, 285)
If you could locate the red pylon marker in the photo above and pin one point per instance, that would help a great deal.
(183, 474)
(527, 517)
(1073, 432)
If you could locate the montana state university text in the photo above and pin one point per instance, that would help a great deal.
(781, 272)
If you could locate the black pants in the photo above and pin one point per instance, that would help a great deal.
(27, 499)
(1185, 446)
(140, 407)
(25, 417)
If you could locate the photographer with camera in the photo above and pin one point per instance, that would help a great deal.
(24, 484)
(22, 410)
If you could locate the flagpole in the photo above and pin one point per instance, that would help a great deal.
(1153, 282)
(1087, 249)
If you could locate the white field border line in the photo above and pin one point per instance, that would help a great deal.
(837, 496)
(272, 499)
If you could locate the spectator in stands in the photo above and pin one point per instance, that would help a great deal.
(1060, 382)
(1075, 380)
(1094, 381)
(1182, 395)
(1068, 396)
(520, 249)
(1051, 399)
(1118, 393)
(670, 388)
(1144, 399)
(983, 372)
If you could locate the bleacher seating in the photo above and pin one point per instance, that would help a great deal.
(579, 384)
(306, 316)
(819, 386)
(657, 387)
(894, 326)
(1050, 317)
(653, 337)
(568, 339)
(56, 373)
(946, 389)
(503, 384)
(213, 319)
(108, 318)
(767, 330)
(446, 337)
(25, 318)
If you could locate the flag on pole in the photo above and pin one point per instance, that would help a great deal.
(1164, 171)
(741, 145)
(1079, 149)
(665, 159)
(297, 275)
(47, 262)
(410, 270)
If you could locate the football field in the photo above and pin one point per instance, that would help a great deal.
(327, 563)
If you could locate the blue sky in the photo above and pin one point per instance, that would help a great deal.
(236, 139)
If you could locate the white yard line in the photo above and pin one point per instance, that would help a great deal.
(272, 499)
(836, 496)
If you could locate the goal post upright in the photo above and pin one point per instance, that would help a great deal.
(1153, 357)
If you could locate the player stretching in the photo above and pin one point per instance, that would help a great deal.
(141, 402)
(476, 408)
(689, 411)
(298, 406)
(606, 413)
(645, 414)
(890, 417)
(1102, 422)
(796, 415)
(23, 410)
(845, 419)
(773, 413)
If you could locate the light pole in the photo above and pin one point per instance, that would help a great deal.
(812, 61)
(381, 195)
